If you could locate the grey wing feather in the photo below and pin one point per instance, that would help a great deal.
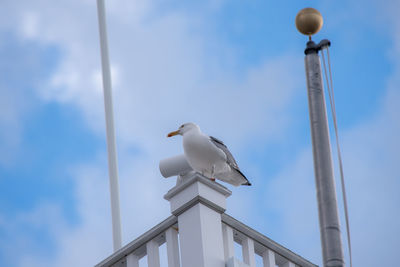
(229, 158)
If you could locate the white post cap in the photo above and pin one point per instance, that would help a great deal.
(197, 189)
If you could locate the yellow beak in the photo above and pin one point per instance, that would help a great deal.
(173, 133)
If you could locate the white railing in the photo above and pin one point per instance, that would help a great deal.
(254, 243)
(147, 245)
(207, 236)
(234, 233)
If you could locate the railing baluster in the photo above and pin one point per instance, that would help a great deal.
(171, 236)
(288, 264)
(229, 245)
(248, 252)
(269, 258)
(132, 260)
(153, 255)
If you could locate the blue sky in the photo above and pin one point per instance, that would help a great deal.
(234, 67)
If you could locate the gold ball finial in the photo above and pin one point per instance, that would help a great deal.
(309, 21)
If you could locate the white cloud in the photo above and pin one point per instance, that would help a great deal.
(162, 71)
(30, 25)
(161, 78)
(166, 74)
(16, 101)
(291, 196)
(374, 183)
(21, 232)
(11, 110)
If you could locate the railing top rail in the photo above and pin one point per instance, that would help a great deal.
(138, 242)
(266, 242)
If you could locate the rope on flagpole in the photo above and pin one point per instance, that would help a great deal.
(329, 85)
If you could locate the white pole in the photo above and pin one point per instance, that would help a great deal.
(111, 145)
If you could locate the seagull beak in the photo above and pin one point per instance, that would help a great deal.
(173, 133)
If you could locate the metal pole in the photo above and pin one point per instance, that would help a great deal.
(111, 145)
(326, 193)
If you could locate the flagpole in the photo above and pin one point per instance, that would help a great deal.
(309, 21)
(111, 144)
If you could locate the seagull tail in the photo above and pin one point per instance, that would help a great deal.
(247, 181)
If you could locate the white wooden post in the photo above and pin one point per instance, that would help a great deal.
(198, 204)
(153, 255)
(269, 258)
(171, 236)
(229, 246)
(132, 260)
(248, 252)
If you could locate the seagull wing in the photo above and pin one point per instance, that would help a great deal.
(229, 158)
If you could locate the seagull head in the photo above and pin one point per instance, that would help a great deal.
(185, 128)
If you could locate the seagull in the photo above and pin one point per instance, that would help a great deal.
(209, 156)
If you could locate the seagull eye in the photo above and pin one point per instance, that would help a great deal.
(182, 126)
